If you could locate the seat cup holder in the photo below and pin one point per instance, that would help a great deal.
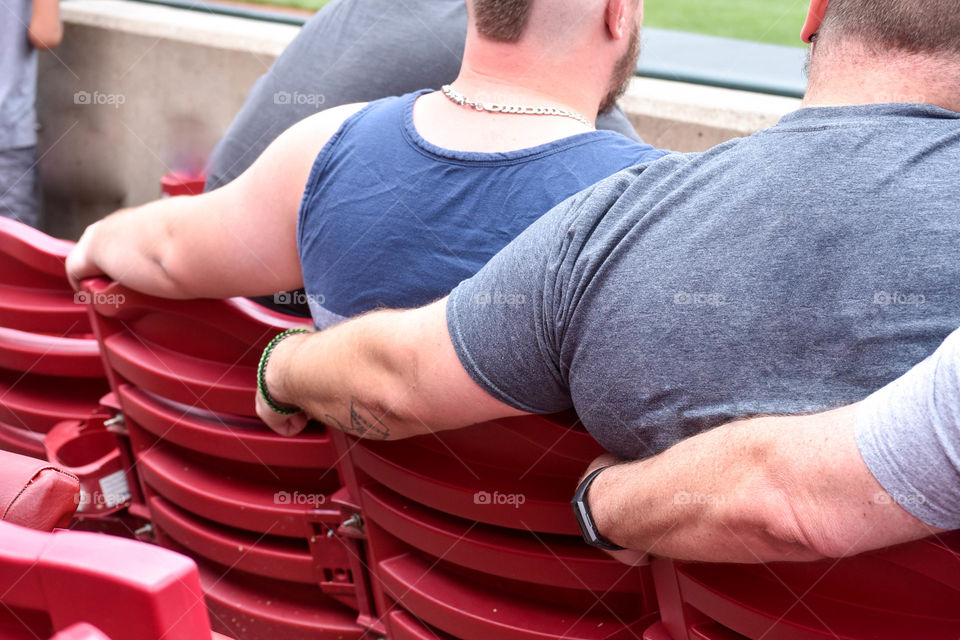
(92, 453)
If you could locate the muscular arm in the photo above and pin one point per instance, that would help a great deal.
(384, 375)
(758, 490)
(878, 473)
(46, 30)
(238, 240)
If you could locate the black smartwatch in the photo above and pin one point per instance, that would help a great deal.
(585, 519)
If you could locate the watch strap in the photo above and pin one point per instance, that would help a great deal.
(581, 510)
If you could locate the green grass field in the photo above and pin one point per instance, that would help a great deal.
(773, 21)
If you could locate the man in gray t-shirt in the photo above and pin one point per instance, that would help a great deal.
(678, 295)
(794, 271)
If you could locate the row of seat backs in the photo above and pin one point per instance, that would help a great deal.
(214, 375)
(50, 366)
(442, 544)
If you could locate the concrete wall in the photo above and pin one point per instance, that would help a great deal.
(136, 90)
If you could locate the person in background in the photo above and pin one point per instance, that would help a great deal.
(25, 27)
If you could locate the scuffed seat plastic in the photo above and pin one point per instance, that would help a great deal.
(50, 366)
(911, 591)
(126, 589)
(36, 494)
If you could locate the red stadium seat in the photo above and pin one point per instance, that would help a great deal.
(125, 589)
(217, 483)
(182, 183)
(36, 494)
(470, 534)
(50, 366)
(911, 591)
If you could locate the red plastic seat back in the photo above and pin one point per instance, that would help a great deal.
(910, 591)
(50, 366)
(199, 353)
(35, 295)
(126, 589)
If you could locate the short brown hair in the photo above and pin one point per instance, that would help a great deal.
(917, 26)
(502, 20)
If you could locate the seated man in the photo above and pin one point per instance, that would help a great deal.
(400, 199)
(881, 472)
(353, 51)
(796, 270)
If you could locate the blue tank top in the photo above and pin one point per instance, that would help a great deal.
(389, 220)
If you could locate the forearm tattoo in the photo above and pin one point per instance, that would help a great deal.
(363, 426)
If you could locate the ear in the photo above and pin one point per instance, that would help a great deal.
(818, 9)
(616, 19)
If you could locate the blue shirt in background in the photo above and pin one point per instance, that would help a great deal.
(18, 77)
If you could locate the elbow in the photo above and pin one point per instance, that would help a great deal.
(389, 407)
(765, 523)
(765, 511)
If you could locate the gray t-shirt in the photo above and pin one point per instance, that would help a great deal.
(18, 77)
(909, 436)
(794, 271)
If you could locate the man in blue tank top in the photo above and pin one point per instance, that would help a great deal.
(394, 202)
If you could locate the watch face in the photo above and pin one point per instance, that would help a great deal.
(583, 519)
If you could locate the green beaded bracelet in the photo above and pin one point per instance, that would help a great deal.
(262, 371)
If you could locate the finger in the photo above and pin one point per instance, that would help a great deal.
(293, 425)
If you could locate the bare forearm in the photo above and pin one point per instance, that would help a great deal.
(759, 490)
(46, 30)
(704, 499)
(385, 375)
(352, 377)
(128, 247)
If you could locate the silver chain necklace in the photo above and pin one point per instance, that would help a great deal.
(461, 100)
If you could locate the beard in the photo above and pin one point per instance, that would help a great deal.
(622, 72)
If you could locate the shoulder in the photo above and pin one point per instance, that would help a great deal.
(326, 123)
